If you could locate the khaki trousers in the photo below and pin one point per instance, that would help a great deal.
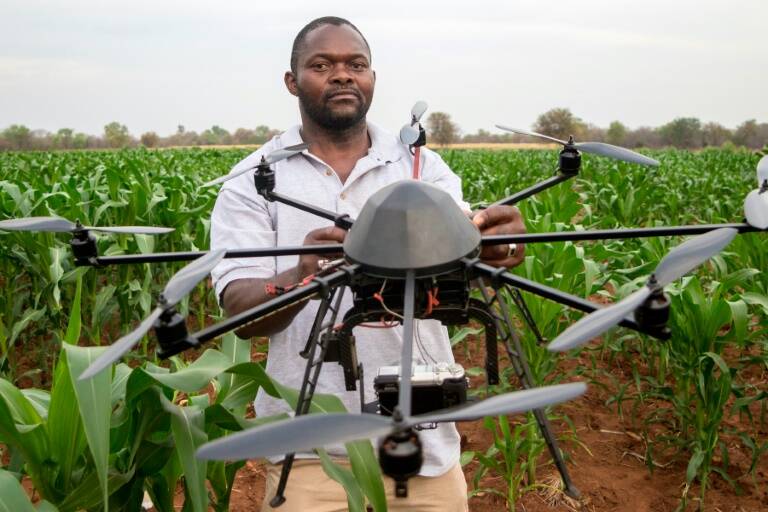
(311, 490)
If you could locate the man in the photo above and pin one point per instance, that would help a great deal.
(348, 161)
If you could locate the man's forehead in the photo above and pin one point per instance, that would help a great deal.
(334, 40)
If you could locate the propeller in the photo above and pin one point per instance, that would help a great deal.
(304, 433)
(177, 288)
(680, 260)
(762, 172)
(60, 225)
(271, 158)
(596, 148)
(409, 133)
(756, 209)
(756, 202)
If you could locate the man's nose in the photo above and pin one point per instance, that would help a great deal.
(341, 74)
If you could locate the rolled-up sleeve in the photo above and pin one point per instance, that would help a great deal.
(241, 221)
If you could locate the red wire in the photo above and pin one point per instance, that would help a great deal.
(416, 158)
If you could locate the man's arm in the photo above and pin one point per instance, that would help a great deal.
(244, 294)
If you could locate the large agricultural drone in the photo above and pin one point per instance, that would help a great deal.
(386, 251)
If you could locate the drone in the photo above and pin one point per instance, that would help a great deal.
(414, 264)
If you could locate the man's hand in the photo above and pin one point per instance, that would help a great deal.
(500, 220)
(309, 263)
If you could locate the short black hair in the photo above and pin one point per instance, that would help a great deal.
(301, 37)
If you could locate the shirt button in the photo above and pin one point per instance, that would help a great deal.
(343, 195)
(328, 172)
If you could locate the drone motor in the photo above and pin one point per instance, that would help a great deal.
(401, 457)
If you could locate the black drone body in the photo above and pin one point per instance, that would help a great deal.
(411, 254)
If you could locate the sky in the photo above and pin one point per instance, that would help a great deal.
(154, 65)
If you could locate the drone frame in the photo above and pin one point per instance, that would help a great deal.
(329, 286)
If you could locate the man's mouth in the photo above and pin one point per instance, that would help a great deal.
(343, 95)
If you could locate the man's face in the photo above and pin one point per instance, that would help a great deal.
(333, 80)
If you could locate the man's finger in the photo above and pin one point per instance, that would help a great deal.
(494, 215)
(329, 234)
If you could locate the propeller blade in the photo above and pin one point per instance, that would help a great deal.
(406, 355)
(531, 134)
(133, 230)
(46, 224)
(598, 322)
(122, 346)
(283, 153)
(756, 209)
(762, 171)
(508, 403)
(615, 152)
(409, 134)
(227, 177)
(418, 110)
(274, 156)
(185, 280)
(692, 253)
(297, 434)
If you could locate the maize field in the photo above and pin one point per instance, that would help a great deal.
(696, 406)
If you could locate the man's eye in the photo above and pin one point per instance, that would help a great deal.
(359, 66)
(320, 66)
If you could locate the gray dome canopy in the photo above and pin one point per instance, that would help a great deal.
(410, 225)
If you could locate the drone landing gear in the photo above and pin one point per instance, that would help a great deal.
(520, 365)
(311, 374)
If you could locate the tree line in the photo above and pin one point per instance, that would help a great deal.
(682, 132)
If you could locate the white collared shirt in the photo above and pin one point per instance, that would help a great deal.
(242, 219)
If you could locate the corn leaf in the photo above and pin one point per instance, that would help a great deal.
(94, 402)
(12, 495)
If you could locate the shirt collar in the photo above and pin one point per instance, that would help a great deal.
(384, 145)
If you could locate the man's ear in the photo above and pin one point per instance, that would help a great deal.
(290, 82)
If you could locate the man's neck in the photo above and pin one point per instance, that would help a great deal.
(341, 149)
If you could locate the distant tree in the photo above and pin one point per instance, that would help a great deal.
(80, 141)
(559, 123)
(441, 129)
(264, 133)
(715, 134)
(751, 134)
(683, 132)
(616, 133)
(149, 139)
(643, 137)
(63, 138)
(593, 133)
(18, 136)
(116, 135)
(215, 135)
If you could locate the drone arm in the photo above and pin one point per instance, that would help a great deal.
(534, 189)
(162, 257)
(341, 220)
(340, 277)
(609, 234)
(501, 275)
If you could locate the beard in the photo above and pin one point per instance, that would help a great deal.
(320, 112)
